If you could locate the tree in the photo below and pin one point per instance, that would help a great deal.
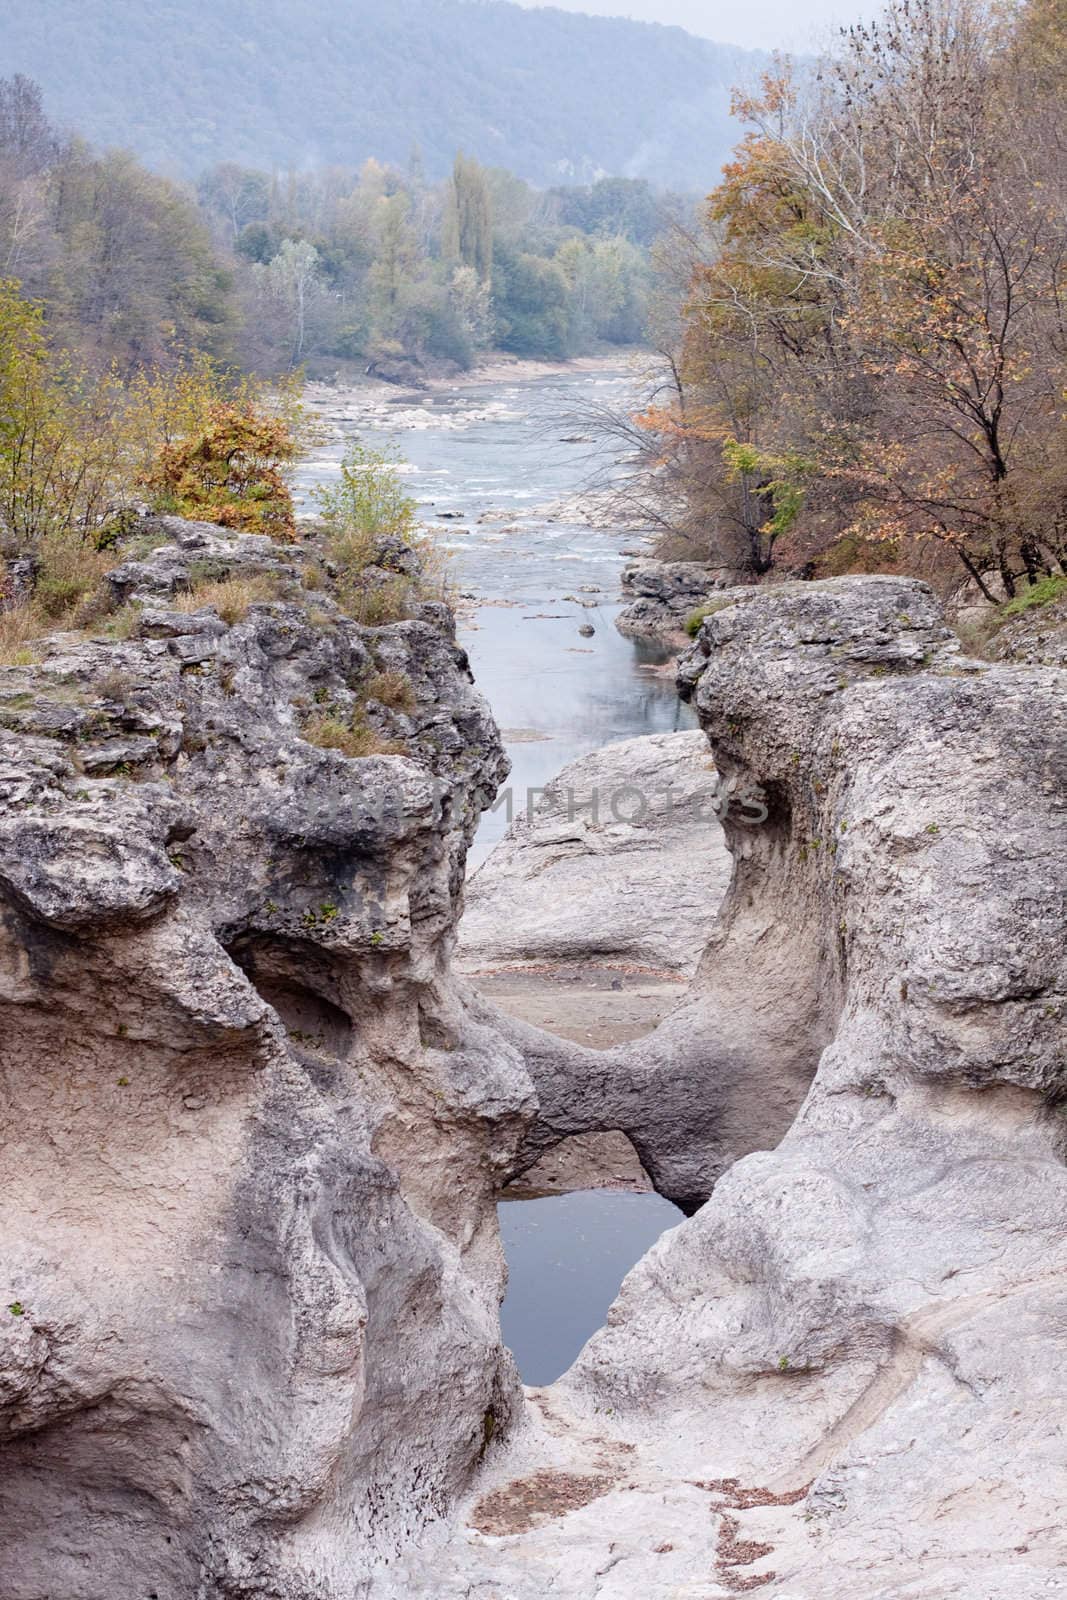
(28, 143)
(886, 296)
(238, 194)
(137, 276)
(29, 147)
(78, 446)
(472, 304)
(65, 452)
(467, 233)
(530, 297)
(291, 278)
(229, 471)
(396, 260)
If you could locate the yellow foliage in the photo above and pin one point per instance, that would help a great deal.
(228, 470)
(78, 449)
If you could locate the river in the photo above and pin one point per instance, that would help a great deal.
(498, 469)
(488, 464)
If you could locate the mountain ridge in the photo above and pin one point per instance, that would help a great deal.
(552, 95)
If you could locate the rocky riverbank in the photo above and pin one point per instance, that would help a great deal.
(663, 596)
(252, 1134)
(255, 1123)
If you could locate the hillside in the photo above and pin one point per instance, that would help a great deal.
(286, 83)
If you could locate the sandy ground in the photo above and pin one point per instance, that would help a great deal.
(598, 1006)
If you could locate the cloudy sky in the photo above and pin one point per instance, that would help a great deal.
(773, 24)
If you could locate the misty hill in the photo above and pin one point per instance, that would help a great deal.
(552, 95)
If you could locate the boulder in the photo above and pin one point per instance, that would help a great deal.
(622, 861)
(662, 595)
(254, 1127)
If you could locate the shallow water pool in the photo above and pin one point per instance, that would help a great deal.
(567, 1256)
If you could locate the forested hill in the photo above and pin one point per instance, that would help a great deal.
(551, 95)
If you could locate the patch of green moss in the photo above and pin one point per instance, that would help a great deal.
(696, 618)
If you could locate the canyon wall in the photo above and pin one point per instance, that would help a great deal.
(251, 1136)
(254, 1129)
(843, 1375)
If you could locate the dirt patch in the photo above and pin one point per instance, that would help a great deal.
(527, 1503)
(738, 1498)
(595, 1005)
(584, 1161)
(731, 1551)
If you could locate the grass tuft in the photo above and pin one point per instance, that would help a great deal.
(19, 628)
(354, 739)
(231, 597)
(1041, 593)
(392, 689)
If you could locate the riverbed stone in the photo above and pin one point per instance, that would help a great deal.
(622, 861)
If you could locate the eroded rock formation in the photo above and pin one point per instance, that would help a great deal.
(251, 1136)
(621, 861)
(253, 1131)
(843, 1376)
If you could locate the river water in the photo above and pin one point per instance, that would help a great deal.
(488, 464)
(498, 470)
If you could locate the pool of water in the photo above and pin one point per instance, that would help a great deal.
(567, 1256)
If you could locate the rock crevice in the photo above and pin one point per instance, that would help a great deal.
(853, 1345)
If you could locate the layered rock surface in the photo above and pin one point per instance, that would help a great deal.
(621, 861)
(843, 1375)
(254, 1130)
(251, 1136)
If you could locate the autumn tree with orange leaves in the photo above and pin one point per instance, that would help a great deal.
(873, 365)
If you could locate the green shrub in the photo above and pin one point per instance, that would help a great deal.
(367, 503)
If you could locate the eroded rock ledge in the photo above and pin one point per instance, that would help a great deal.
(621, 861)
(843, 1375)
(661, 595)
(251, 1136)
